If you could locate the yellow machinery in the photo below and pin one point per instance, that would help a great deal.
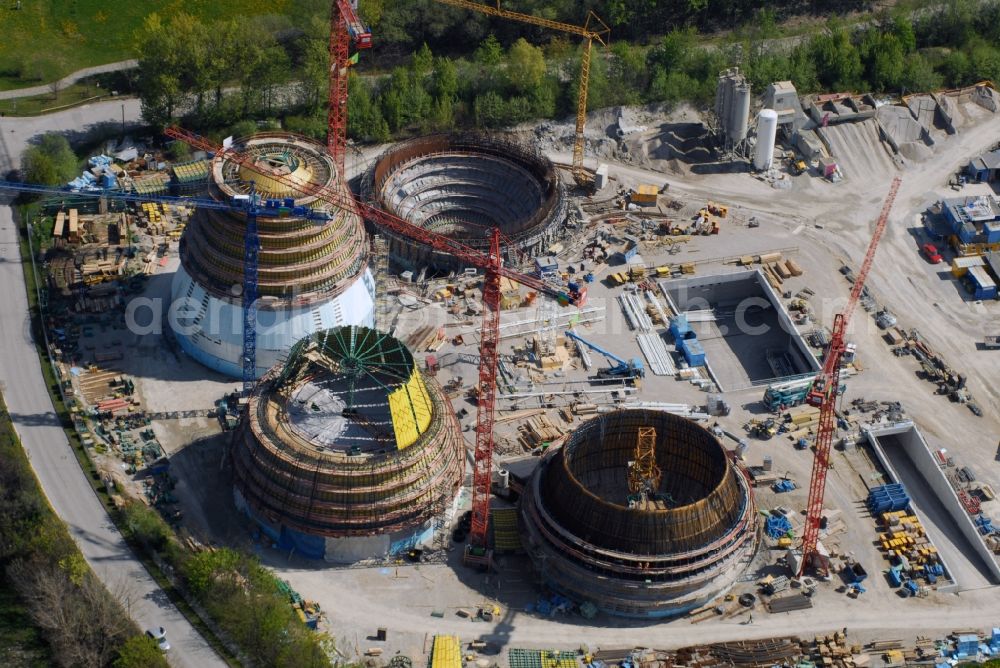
(644, 474)
(593, 29)
(645, 194)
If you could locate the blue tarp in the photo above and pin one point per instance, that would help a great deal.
(777, 526)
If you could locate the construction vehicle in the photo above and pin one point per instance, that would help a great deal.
(824, 393)
(797, 167)
(991, 342)
(619, 368)
(720, 210)
(593, 30)
(762, 429)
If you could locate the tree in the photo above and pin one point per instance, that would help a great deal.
(315, 71)
(956, 68)
(444, 82)
(525, 67)
(140, 652)
(984, 61)
(50, 162)
(673, 51)
(423, 61)
(885, 58)
(490, 110)
(919, 75)
(160, 88)
(489, 53)
(838, 62)
(392, 109)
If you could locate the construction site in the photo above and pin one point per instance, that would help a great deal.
(654, 388)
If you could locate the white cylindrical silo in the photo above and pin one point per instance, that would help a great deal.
(740, 113)
(767, 130)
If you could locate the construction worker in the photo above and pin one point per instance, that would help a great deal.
(750, 618)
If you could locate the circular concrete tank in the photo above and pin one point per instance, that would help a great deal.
(461, 186)
(346, 451)
(654, 555)
(312, 275)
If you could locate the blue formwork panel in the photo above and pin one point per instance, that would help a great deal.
(888, 498)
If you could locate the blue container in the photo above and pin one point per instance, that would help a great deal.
(694, 354)
(679, 327)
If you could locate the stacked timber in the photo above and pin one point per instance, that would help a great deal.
(538, 430)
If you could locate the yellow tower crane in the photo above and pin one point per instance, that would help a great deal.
(594, 29)
(644, 474)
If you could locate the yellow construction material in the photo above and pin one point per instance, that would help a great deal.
(447, 652)
(557, 660)
(410, 407)
(645, 194)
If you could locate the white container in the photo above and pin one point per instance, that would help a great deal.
(767, 131)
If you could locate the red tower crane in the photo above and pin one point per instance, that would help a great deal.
(826, 387)
(492, 264)
(345, 27)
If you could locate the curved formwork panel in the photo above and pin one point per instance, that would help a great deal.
(658, 552)
(462, 186)
(347, 445)
(311, 276)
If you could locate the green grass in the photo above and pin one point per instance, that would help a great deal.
(48, 39)
(33, 106)
(21, 644)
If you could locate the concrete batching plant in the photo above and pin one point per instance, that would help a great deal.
(732, 106)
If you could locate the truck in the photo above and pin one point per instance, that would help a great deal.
(619, 368)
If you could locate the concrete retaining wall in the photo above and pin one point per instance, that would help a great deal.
(923, 459)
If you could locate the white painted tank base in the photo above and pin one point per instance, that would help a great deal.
(210, 329)
(767, 132)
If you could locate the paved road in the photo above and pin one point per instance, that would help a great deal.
(69, 79)
(51, 457)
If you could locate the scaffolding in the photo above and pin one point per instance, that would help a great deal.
(358, 483)
(687, 541)
(461, 185)
(299, 261)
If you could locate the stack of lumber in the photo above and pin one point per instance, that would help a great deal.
(538, 430)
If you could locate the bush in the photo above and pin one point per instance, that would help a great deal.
(140, 652)
(51, 162)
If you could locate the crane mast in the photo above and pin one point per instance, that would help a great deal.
(826, 387)
(594, 29)
(345, 27)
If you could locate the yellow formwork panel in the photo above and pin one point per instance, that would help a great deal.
(447, 652)
(410, 407)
